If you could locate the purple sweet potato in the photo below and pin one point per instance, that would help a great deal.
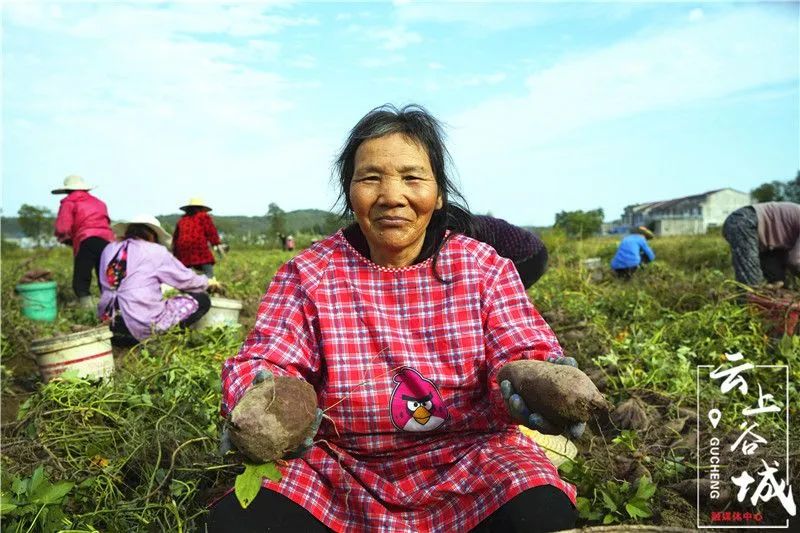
(273, 418)
(562, 394)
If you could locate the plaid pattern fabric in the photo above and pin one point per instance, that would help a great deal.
(337, 320)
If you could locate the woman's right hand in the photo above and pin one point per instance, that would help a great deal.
(521, 413)
(225, 439)
(214, 286)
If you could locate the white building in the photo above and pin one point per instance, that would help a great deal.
(688, 215)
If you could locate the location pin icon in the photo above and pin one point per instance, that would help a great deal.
(714, 416)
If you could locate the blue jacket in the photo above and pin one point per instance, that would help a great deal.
(629, 252)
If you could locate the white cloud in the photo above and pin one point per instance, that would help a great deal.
(481, 79)
(708, 59)
(435, 66)
(383, 61)
(393, 38)
(695, 14)
(746, 50)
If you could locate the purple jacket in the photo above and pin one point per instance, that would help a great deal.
(139, 295)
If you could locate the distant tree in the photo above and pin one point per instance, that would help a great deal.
(331, 224)
(792, 189)
(276, 219)
(768, 192)
(580, 223)
(35, 221)
(778, 191)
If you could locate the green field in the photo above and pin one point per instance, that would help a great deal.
(140, 453)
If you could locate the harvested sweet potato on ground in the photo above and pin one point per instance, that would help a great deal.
(560, 393)
(273, 418)
(630, 414)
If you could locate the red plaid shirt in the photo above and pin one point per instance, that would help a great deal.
(193, 233)
(337, 320)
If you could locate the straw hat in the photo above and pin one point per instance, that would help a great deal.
(641, 230)
(148, 220)
(196, 202)
(73, 183)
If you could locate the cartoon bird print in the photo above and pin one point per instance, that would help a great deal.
(416, 404)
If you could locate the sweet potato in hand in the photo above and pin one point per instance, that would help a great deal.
(562, 394)
(273, 418)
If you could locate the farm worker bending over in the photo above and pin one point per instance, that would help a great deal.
(765, 242)
(524, 248)
(632, 251)
(83, 222)
(405, 300)
(193, 233)
(133, 270)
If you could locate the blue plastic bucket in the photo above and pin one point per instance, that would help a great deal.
(38, 300)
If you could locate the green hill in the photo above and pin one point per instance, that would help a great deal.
(313, 221)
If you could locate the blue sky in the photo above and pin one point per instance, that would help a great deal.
(549, 106)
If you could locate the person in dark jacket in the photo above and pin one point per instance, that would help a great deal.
(765, 242)
(524, 248)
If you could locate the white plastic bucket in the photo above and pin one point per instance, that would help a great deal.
(88, 352)
(223, 312)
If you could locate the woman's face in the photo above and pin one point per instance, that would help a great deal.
(393, 195)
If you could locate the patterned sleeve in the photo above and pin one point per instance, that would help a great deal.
(283, 340)
(512, 327)
(210, 230)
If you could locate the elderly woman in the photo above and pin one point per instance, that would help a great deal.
(133, 270)
(427, 317)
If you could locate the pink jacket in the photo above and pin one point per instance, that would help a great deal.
(80, 216)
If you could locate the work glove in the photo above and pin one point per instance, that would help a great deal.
(225, 444)
(214, 286)
(520, 412)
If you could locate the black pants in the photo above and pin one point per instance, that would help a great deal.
(625, 273)
(123, 338)
(543, 508)
(87, 259)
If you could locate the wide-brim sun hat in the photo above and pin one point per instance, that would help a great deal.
(73, 182)
(150, 221)
(646, 232)
(195, 202)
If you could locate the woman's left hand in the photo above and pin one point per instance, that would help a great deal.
(520, 412)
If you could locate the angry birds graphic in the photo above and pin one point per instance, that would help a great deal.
(416, 404)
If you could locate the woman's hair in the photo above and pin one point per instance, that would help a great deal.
(141, 231)
(415, 123)
(192, 209)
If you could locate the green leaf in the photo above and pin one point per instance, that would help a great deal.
(637, 509)
(7, 504)
(20, 486)
(608, 501)
(36, 480)
(609, 519)
(248, 483)
(646, 489)
(271, 472)
(49, 494)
